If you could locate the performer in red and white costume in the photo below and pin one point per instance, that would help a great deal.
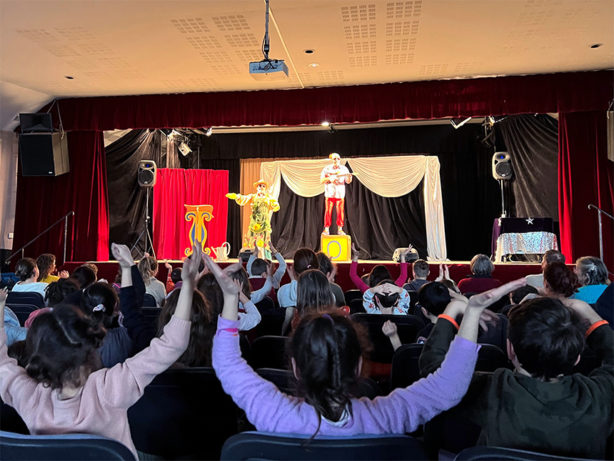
(334, 177)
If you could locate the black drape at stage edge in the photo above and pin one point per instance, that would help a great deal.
(533, 146)
(126, 198)
(43, 200)
(585, 177)
(470, 194)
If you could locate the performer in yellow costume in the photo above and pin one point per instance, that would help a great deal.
(263, 206)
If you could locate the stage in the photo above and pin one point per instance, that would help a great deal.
(505, 272)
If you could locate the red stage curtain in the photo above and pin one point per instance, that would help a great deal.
(175, 188)
(566, 92)
(585, 176)
(43, 200)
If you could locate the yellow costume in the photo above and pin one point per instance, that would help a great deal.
(263, 206)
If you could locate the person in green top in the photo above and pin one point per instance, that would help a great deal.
(540, 405)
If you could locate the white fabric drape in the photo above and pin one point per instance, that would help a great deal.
(385, 176)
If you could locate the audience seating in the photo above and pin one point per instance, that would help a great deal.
(151, 315)
(356, 306)
(482, 453)
(25, 297)
(149, 300)
(350, 295)
(266, 446)
(184, 413)
(405, 368)
(22, 311)
(272, 318)
(10, 421)
(413, 299)
(408, 327)
(269, 352)
(66, 447)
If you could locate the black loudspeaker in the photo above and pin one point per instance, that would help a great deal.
(36, 123)
(147, 173)
(43, 154)
(502, 166)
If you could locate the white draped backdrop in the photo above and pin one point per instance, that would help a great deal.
(385, 176)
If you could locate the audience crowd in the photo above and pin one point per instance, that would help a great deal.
(77, 352)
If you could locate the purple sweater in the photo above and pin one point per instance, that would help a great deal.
(101, 405)
(402, 411)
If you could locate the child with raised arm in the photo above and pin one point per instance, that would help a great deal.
(327, 357)
(540, 405)
(63, 389)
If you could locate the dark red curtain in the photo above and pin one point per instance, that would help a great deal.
(43, 200)
(585, 177)
(177, 187)
(575, 91)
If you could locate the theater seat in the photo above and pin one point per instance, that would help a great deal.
(66, 447)
(184, 413)
(269, 352)
(25, 297)
(351, 295)
(266, 446)
(22, 311)
(502, 454)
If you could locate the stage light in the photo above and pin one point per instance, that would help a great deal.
(173, 134)
(458, 122)
(184, 148)
(209, 131)
(325, 123)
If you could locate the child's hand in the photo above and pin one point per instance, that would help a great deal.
(169, 268)
(291, 273)
(223, 279)
(354, 253)
(4, 292)
(189, 271)
(63, 274)
(242, 298)
(389, 328)
(122, 254)
(483, 300)
(272, 248)
(441, 274)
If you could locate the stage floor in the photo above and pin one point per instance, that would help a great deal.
(505, 272)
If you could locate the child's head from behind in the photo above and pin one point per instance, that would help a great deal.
(304, 259)
(326, 351)
(148, 267)
(84, 276)
(421, 269)
(377, 275)
(259, 268)
(202, 329)
(61, 347)
(45, 264)
(212, 292)
(560, 279)
(57, 291)
(387, 298)
(481, 266)
(100, 301)
(25, 269)
(434, 297)
(545, 336)
(326, 265)
(176, 275)
(241, 276)
(313, 293)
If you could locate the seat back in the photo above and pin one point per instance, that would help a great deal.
(356, 306)
(405, 369)
(68, 447)
(408, 327)
(22, 311)
(269, 352)
(183, 413)
(149, 300)
(272, 318)
(483, 453)
(25, 297)
(151, 315)
(265, 446)
(10, 421)
(350, 295)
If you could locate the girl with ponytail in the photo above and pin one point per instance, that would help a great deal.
(326, 355)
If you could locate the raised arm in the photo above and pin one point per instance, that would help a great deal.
(358, 283)
(281, 270)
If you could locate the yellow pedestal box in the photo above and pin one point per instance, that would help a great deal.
(337, 247)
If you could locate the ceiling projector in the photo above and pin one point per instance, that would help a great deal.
(268, 69)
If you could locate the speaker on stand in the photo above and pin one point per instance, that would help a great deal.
(146, 177)
(502, 171)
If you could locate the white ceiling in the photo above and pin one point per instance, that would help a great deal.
(123, 47)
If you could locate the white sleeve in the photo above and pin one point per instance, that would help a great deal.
(250, 318)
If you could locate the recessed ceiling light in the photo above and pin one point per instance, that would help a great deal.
(314, 64)
(69, 77)
(309, 51)
(596, 45)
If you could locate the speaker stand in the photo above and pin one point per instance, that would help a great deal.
(503, 212)
(148, 248)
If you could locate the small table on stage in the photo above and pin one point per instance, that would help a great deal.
(522, 236)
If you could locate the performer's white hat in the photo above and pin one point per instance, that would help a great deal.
(334, 155)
